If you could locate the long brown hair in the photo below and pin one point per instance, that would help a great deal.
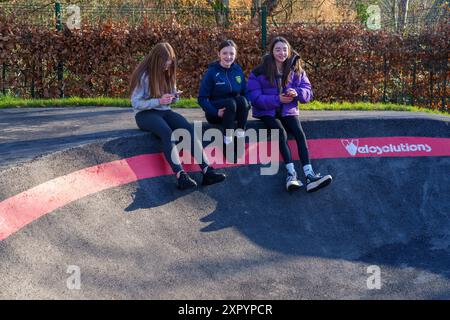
(160, 80)
(291, 64)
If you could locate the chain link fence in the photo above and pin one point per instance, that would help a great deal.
(45, 15)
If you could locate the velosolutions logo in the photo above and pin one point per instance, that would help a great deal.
(353, 147)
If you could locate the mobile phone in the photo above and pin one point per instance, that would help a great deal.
(288, 94)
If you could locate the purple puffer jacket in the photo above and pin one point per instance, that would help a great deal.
(265, 99)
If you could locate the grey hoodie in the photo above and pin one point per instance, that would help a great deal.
(140, 98)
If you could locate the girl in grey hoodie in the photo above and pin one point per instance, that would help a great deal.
(153, 90)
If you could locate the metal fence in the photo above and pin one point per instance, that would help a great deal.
(45, 15)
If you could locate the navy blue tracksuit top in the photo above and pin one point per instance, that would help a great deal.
(221, 83)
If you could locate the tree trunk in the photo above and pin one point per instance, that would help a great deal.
(403, 15)
(220, 8)
(395, 15)
(270, 5)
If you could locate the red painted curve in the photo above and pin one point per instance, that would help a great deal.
(19, 210)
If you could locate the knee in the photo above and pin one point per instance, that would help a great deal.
(242, 103)
(231, 105)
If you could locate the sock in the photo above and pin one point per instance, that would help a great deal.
(240, 133)
(205, 169)
(308, 170)
(178, 174)
(227, 140)
(290, 168)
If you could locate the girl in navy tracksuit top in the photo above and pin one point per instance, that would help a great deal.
(222, 93)
(153, 90)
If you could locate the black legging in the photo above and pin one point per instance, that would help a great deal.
(162, 123)
(292, 125)
(236, 110)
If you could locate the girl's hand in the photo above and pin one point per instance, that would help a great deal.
(285, 98)
(221, 112)
(166, 99)
(291, 92)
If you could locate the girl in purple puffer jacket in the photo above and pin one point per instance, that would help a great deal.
(275, 88)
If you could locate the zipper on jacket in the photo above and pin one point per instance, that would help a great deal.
(229, 82)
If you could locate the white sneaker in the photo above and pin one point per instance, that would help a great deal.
(292, 183)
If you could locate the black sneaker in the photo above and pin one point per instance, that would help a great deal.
(317, 182)
(211, 177)
(185, 182)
